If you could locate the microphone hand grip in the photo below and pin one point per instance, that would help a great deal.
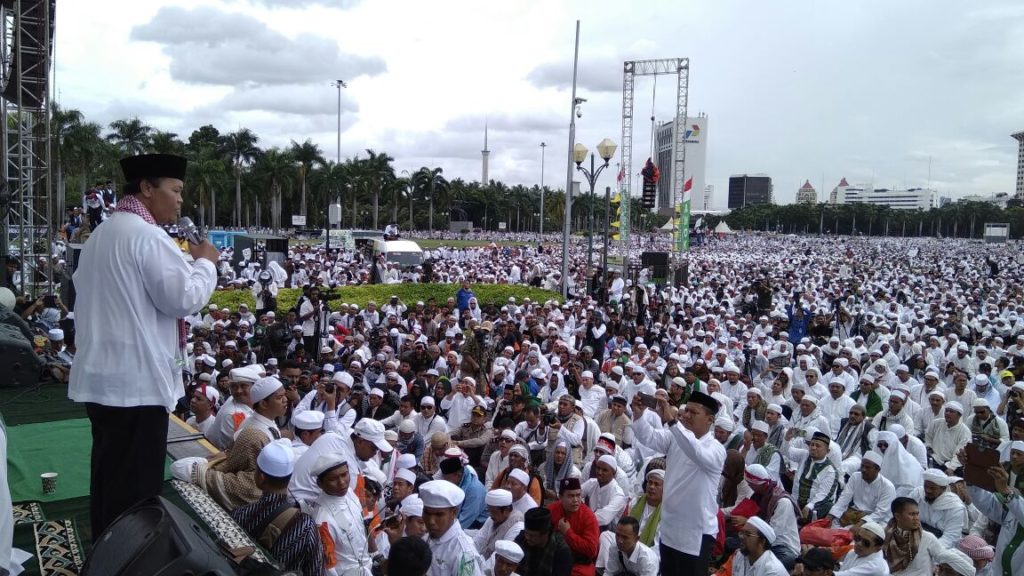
(190, 232)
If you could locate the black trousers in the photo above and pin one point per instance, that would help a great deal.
(676, 563)
(129, 448)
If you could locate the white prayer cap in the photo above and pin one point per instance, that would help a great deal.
(617, 370)
(811, 398)
(898, 430)
(407, 475)
(587, 374)
(427, 401)
(937, 393)
(873, 457)
(406, 461)
(264, 387)
(775, 408)
(412, 506)
(231, 344)
(275, 459)
(510, 551)
(205, 377)
(980, 403)
(391, 436)
(377, 392)
(609, 460)
(308, 420)
(56, 335)
(209, 361)
(343, 378)
(873, 527)
(327, 462)
(956, 560)
(536, 373)
(902, 368)
(372, 431)
(441, 494)
(656, 473)
(243, 374)
(954, 405)
(510, 434)
(937, 477)
(211, 393)
(725, 424)
(763, 528)
(227, 363)
(271, 361)
(981, 380)
(407, 427)
(520, 476)
(760, 426)
(499, 497)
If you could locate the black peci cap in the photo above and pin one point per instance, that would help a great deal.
(136, 168)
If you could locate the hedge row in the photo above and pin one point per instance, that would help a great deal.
(381, 293)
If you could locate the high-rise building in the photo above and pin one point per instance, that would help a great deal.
(709, 193)
(695, 140)
(749, 190)
(1019, 137)
(806, 194)
(909, 199)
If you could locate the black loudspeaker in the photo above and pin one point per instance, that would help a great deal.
(22, 366)
(11, 318)
(682, 275)
(67, 284)
(654, 259)
(156, 538)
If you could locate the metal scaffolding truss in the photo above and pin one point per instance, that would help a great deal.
(26, 51)
(680, 67)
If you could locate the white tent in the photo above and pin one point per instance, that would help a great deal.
(723, 228)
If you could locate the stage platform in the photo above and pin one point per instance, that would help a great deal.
(49, 433)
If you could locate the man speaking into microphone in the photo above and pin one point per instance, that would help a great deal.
(133, 286)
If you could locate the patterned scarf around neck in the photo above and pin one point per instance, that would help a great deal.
(133, 205)
(900, 546)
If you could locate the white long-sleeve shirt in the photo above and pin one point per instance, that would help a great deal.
(694, 469)
(133, 284)
(594, 399)
(870, 565)
(606, 501)
(459, 407)
(766, 565)
(643, 561)
(945, 514)
(945, 441)
(875, 498)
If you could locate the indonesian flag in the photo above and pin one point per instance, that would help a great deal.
(621, 176)
(689, 185)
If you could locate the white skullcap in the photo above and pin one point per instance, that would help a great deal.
(725, 424)
(264, 387)
(760, 426)
(937, 477)
(521, 476)
(209, 361)
(343, 378)
(499, 497)
(956, 560)
(56, 335)
(656, 473)
(308, 420)
(510, 434)
(763, 528)
(377, 392)
(775, 408)
(427, 401)
(609, 460)
(275, 459)
(441, 494)
(980, 403)
(510, 551)
(873, 457)
(327, 462)
(244, 374)
(898, 430)
(205, 377)
(406, 461)
(587, 374)
(875, 528)
(407, 475)
(937, 393)
(407, 427)
(953, 405)
(1017, 445)
(411, 506)
(810, 398)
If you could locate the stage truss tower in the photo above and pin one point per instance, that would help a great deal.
(26, 53)
(680, 67)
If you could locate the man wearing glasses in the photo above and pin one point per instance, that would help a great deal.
(866, 558)
(756, 557)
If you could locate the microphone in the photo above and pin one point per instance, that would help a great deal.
(189, 231)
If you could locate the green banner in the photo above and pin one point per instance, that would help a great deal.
(683, 227)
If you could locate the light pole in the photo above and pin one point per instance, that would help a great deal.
(339, 84)
(542, 147)
(604, 255)
(567, 221)
(606, 148)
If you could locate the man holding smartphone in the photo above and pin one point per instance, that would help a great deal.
(133, 287)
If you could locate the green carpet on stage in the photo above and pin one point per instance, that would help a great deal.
(63, 447)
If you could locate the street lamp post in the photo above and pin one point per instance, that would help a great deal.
(606, 148)
(339, 84)
(604, 255)
(542, 147)
(567, 220)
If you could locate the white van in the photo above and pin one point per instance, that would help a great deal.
(405, 253)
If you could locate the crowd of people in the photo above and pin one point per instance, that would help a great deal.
(866, 389)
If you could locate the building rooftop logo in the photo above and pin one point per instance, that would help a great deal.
(693, 132)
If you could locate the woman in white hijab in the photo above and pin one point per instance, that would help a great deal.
(898, 465)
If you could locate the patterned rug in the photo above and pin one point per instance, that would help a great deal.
(28, 513)
(216, 518)
(58, 549)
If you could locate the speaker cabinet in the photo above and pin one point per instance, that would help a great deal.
(22, 367)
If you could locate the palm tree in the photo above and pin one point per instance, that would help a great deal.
(307, 155)
(166, 143)
(131, 136)
(241, 148)
(275, 168)
(379, 172)
(329, 180)
(206, 171)
(429, 181)
(62, 124)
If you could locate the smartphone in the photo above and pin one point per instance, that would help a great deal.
(649, 401)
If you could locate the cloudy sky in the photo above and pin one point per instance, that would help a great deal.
(872, 90)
